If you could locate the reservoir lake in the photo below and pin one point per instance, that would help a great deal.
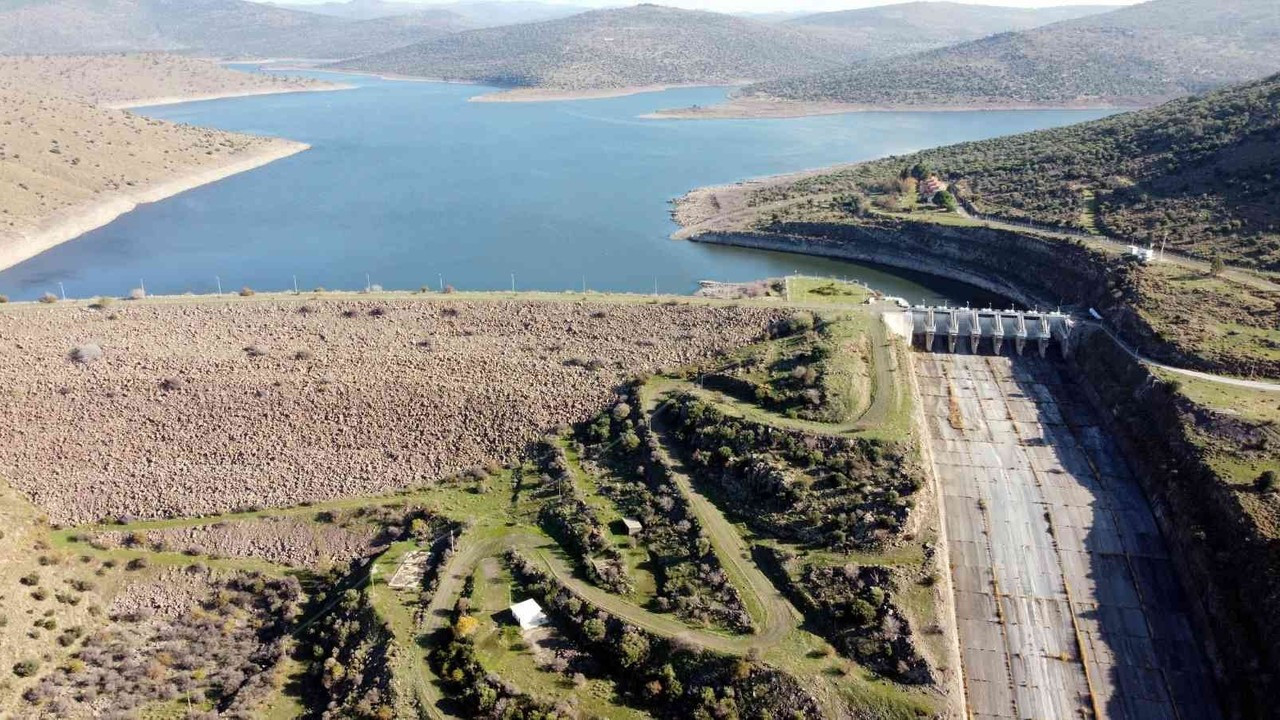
(408, 184)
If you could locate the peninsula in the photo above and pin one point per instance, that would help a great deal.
(71, 162)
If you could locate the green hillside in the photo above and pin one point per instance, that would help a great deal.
(1198, 174)
(1138, 55)
(636, 46)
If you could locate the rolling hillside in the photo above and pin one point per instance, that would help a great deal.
(905, 28)
(218, 27)
(1138, 55)
(631, 47)
(476, 13)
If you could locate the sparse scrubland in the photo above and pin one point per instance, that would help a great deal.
(641, 46)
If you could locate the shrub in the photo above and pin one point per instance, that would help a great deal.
(30, 579)
(137, 294)
(4, 299)
(302, 354)
(101, 303)
(255, 351)
(137, 563)
(246, 291)
(26, 668)
(172, 383)
(48, 298)
(1266, 482)
(799, 322)
(86, 353)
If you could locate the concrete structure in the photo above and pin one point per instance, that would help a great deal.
(1025, 327)
(1146, 255)
(410, 571)
(633, 526)
(529, 615)
(1067, 603)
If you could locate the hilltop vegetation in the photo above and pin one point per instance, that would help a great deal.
(1197, 174)
(909, 27)
(1142, 54)
(632, 47)
(218, 27)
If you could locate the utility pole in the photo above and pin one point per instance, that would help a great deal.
(367, 283)
(295, 284)
(62, 290)
(219, 281)
(513, 282)
(584, 284)
(441, 277)
(142, 286)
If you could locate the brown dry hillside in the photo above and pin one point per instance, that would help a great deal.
(119, 79)
(59, 154)
(206, 406)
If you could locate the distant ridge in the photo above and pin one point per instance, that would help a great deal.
(216, 27)
(645, 45)
(1138, 55)
(901, 29)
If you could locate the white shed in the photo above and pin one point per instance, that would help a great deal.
(633, 526)
(529, 614)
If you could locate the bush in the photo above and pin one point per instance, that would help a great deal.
(101, 303)
(26, 668)
(255, 351)
(137, 294)
(4, 299)
(799, 322)
(86, 353)
(246, 291)
(137, 563)
(1266, 482)
(48, 298)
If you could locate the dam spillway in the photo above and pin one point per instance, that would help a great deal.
(990, 330)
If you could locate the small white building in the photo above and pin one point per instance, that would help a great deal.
(1145, 255)
(633, 526)
(529, 615)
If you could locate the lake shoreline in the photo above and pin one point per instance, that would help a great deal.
(179, 99)
(541, 94)
(766, 109)
(70, 223)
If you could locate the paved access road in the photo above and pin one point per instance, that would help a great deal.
(1066, 601)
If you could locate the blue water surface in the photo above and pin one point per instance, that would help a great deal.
(409, 184)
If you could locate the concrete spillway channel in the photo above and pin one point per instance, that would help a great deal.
(1066, 601)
